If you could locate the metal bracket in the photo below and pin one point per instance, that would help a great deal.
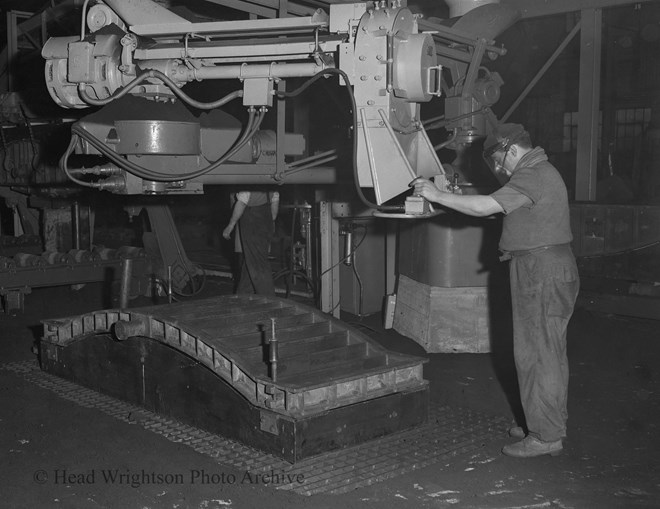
(268, 422)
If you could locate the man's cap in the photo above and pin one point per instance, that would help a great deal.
(502, 137)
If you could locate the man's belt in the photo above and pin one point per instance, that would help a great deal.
(507, 255)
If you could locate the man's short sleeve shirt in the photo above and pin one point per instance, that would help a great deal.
(543, 219)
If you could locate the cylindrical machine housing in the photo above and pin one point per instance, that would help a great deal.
(450, 250)
(158, 137)
(414, 56)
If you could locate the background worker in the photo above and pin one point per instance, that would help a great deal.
(255, 213)
(544, 280)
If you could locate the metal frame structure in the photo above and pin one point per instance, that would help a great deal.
(58, 269)
(305, 18)
(590, 77)
(539, 8)
(591, 45)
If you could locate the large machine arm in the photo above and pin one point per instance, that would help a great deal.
(139, 52)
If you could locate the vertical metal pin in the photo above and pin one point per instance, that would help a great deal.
(75, 219)
(273, 351)
(169, 284)
(125, 282)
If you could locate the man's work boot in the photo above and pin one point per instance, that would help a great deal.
(517, 432)
(530, 447)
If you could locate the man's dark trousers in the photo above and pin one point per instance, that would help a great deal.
(544, 287)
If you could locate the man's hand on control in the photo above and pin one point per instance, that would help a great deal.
(427, 189)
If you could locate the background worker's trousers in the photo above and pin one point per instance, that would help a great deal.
(544, 287)
(256, 226)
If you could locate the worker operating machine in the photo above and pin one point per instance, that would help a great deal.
(287, 368)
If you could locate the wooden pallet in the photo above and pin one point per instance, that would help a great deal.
(208, 363)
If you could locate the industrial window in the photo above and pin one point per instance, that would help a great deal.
(630, 126)
(571, 130)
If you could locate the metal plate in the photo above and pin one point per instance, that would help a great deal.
(449, 432)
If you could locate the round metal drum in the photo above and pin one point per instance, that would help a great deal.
(414, 56)
(158, 137)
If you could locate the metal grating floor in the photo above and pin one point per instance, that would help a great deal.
(449, 432)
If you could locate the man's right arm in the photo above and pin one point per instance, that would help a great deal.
(239, 208)
(472, 205)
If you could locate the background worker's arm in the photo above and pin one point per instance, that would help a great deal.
(274, 205)
(472, 205)
(239, 208)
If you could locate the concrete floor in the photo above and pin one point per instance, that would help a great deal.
(610, 458)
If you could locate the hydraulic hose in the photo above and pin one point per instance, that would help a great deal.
(147, 174)
(167, 81)
(64, 164)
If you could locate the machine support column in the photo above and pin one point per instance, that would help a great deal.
(329, 228)
(168, 246)
(281, 130)
(391, 229)
(588, 105)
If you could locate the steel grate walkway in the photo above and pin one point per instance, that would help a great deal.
(449, 432)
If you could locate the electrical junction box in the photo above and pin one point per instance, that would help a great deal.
(258, 92)
(81, 63)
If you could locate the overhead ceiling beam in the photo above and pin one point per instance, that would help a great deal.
(538, 8)
(265, 8)
(248, 7)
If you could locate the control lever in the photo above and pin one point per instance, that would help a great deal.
(417, 204)
(415, 207)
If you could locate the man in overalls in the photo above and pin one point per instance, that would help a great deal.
(255, 213)
(544, 280)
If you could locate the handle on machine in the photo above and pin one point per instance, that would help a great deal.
(412, 184)
(430, 89)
